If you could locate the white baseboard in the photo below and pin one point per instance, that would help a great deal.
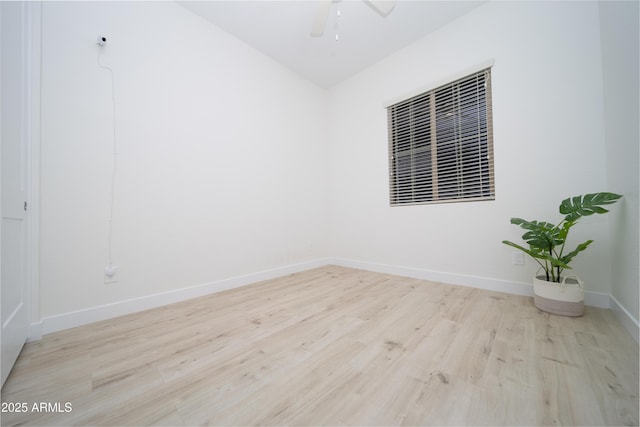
(94, 314)
(594, 299)
(628, 321)
(108, 311)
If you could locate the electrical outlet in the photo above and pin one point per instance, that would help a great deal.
(110, 274)
(517, 258)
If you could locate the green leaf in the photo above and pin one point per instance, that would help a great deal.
(538, 240)
(532, 225)
(581, 247)
(557, 262)
(531, 253)
(564, 230)
(540, 235)
(578, 206)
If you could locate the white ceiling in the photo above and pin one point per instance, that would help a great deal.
(282, 30)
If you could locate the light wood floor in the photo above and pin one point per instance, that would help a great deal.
(335, 346)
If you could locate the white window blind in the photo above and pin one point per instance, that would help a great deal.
(441, 144)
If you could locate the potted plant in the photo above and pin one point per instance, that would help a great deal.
(555, 292)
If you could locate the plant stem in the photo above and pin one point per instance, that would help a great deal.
(564, 242)
(546, 269)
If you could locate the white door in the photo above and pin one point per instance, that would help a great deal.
(13, 131)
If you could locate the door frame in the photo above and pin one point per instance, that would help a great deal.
(33, 34)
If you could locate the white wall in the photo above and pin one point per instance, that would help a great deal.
(221, 157)
(619, 36)
(228, 164)
(548, 142)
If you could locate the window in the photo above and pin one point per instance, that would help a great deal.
(441, 144)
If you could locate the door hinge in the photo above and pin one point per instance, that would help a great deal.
(25, 206)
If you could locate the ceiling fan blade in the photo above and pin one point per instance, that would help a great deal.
(320, 20)
(383, 7)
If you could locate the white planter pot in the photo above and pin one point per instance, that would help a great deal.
(565, 298)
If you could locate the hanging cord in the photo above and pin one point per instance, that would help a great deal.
(115, 152)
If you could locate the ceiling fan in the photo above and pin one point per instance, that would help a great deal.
(382, 7)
